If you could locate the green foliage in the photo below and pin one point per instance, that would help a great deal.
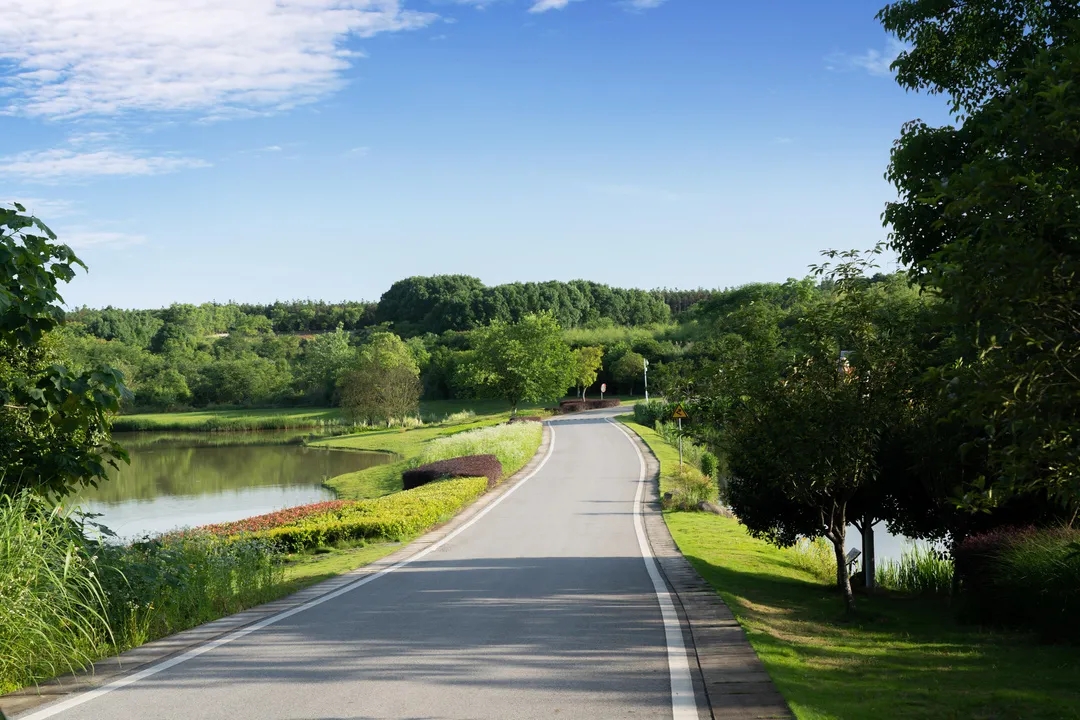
(514, 445)
(53, 612)
(921, 570)
(628, 369)
(987, 217)
(398, 516)
(587, 361)
(54, 423)
(527, 361)
(324, 358)
(709, 464)
(689, 487)
(382, 383)
(164, 585)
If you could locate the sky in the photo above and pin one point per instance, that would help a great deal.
(255, 150)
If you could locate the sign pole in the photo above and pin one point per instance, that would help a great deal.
(646, 381)
(680, 442)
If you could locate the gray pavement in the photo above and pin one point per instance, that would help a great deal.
(542, 608)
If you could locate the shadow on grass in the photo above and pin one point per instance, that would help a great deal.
(898, 657)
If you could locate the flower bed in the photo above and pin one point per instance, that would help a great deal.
(275, 519)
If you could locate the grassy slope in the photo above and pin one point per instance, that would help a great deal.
(265, 418)
(903, 658)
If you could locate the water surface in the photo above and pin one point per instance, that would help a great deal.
(180, 480)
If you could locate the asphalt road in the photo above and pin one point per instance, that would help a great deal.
(544, 607)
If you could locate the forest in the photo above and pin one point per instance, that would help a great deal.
(291, 353)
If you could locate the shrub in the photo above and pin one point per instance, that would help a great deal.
(652, 412)
(470, 466)
(688, 488)
(53, 613)
(166, 584)
(572, 406)
(274, 519)
(392, 517)
(1024, 577)
(525, 418)
(921, 569)
(514, 445)
(709, 464)
(817, 558)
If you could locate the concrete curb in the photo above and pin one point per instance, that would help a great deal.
(109, 669)
(736, 683)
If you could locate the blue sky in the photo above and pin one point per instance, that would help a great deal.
(253, 150)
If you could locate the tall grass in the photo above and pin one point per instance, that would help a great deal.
(688, 488)
(53, 612)
(816, 557)
(514, 445)
(921, 569)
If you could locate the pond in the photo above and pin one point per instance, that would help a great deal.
(178, 480)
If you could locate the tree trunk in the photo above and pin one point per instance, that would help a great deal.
(868, 563)
(837, 534)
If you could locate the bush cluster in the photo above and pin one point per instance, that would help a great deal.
(392, 517)
(687, 489)
(652, 412)
(274, 519)
(469, 466)
(572, 406)
(1024, 577)
(514, 445)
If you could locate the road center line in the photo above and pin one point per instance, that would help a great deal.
(85, 697)
(683, 700)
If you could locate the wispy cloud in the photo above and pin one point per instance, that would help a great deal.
(357, 152)
(875, 62)
(643, 4)
(73, 163)
(46, 208)
(540, 6)
(73, 57)
(781, 140)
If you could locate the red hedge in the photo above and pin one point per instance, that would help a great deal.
(569, 406)
(275, 519)
(469, 466)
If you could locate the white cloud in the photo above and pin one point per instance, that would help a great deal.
(644, 4)
(875, 62)
(80, 57)
(361, 151)
(69, 163)
(544, 5)
(46, 208)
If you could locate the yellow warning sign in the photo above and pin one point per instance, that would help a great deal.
(680, 414)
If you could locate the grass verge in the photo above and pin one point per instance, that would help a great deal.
(903, 657)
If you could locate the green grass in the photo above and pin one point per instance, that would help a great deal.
(902, 657)
(211, 420)
(305, 569)
(406, 444)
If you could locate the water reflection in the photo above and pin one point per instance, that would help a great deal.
(190, 479)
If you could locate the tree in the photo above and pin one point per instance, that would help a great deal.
(587, 361)
(628, 368)
(988, 218)
(527, 361)
(383, 382)
(54, 423)
(324, 357)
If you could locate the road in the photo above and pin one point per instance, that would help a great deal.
(543, 607)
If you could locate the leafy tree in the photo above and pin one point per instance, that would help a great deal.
(324, 358)
(383, 382)
(628, 368)
(527, 361)
(54, 423)
(988, 217)
(587, 361)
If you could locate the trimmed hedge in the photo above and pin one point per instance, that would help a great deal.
(571, 406)
(469, 466)
(1022, 577)
(395, 517)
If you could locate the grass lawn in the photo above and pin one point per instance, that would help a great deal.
(306, 569)
(406, 444)
(902, 657)
(255, 419)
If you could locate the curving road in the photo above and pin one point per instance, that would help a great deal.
(546, 605)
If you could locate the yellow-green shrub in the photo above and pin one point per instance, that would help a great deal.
(391, 517)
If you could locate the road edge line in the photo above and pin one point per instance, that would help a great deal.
(683, 699)
(86, 696)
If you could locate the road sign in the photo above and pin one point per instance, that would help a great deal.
(680, 414)
(603, 387)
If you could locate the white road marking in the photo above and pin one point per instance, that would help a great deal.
(683, 700)
(82, 698)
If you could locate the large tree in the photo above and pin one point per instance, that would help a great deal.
(527, 361)
(54, 422)
(382, 383)
(988, 216)
(587, 362)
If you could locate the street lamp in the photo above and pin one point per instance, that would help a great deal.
(646, 379)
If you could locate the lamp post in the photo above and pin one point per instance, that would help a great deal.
(646, 379)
